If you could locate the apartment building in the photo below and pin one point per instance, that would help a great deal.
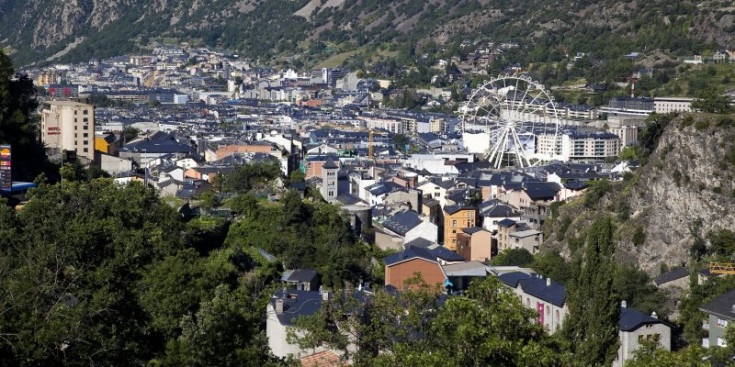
(69, 125)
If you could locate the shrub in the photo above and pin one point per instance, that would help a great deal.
(701, 125)
(688, 120)
(639, 236)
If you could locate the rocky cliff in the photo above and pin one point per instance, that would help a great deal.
(685, 190)
(33, 30)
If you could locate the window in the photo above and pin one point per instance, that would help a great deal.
(721, 322)
(86, 127)
(86, 142)
(721, 342)
(86, 112)
(85, 120)
(454, 231)
(454, 223)
(85, 135)
(86, 150)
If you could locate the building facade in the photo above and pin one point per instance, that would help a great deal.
(69, 126)
(457, 217)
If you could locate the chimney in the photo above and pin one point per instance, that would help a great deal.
(548, 282)
(279, 306)
(654, 315)
(624, 304)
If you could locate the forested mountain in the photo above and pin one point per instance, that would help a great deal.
(60, 30)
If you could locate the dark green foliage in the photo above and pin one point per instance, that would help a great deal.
(248, 177)
(92, 273)
(82, 247)
(651, 354)
(701, 125)
(130, 133)
(634, 286)
(551, 265)
(687, 120)
(594, 308)
(17, 103)
(301, 235)
(639, 236)
(513, 257)
(486, 326)
(712, 101)
(400, 141)
(652, 131)
(595, 192)
(561, 230)
(722, 242)
(690, 316)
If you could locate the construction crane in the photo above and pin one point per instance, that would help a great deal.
(370, 145)
(721, 268)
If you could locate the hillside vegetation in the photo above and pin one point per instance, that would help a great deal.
(35, 30)
(676, 208)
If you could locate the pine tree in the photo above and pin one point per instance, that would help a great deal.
(592, 327)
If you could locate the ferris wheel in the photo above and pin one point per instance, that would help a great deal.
(513, 120)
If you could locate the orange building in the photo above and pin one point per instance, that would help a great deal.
(405, 265)
(457, 217)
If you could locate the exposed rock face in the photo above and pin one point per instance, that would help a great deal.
(37, 29)
(686, 190)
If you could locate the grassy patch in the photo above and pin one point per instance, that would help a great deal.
(337, 59)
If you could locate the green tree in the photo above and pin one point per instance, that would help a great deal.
(711, 101)
(551, 265)
(594, 308)
(513, 257)
(486, 326)
(17, 127)
(651, 354)
(722, 242)
(634, 286)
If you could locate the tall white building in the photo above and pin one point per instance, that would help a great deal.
(69, 126)
(329, 181)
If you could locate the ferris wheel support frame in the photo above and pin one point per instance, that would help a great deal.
(491, 99)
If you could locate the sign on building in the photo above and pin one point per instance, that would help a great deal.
(6, 180)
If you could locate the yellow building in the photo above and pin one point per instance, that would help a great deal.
(105, 143)
(457, 217)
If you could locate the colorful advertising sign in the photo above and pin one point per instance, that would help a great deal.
(6, 180)
(540, 309)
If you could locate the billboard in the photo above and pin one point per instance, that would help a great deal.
(6, 180)
(540, 309)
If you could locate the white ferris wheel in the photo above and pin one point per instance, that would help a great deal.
(513, 120)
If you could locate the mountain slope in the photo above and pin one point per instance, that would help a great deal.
(684, 192)
(37, 29)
